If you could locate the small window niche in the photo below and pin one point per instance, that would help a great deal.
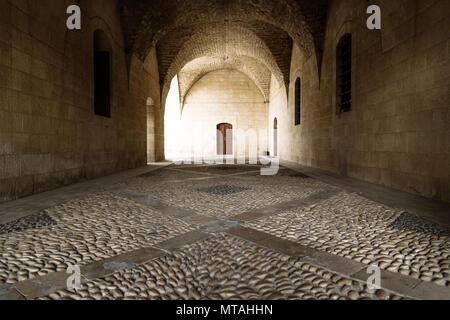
(102, 74)
(344, 74)
(298, 101)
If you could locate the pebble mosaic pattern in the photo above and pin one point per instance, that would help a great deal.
(104, 225)
(89, 229)
(223, 190)
(224, 267)
(34, 221)
(257, 192)
(284, 177)
(356, 228)
(410, 222)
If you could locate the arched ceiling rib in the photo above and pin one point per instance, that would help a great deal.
(147, 23)
(196, 69)
(278, 43)
(227, 42)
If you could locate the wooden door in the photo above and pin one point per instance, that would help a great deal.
(224, 139)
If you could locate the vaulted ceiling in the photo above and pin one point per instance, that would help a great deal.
(193, 37)
(196, 69)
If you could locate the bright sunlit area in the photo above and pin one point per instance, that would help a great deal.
(172, 121)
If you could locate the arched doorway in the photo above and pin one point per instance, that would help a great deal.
(275, 137)
(224, 139)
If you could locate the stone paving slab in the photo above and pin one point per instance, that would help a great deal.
(249, 234)
(394, 282)
(336, 263)
(287, 247)
(125, 261)
(198, 220)
(429, 291)
(218, 226)
(44, 285)
(9, 292)
(182, 240)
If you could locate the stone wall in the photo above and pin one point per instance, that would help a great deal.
(224, 96)
(398, 132)
(49, 135)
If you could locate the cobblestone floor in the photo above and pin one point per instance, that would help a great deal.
(224, 267)
(220, 169)
(356, 228)
(89, 229)
(169, 175)
(258, 192)
(144, 211)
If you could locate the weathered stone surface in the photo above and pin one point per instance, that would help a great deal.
(224, 267)
(394, 134)
(89, 229)
(49, 134)
(356, 228)
(258, 192)
(131, 251)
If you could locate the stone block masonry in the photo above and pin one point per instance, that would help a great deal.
(396, 134)
(49, 135)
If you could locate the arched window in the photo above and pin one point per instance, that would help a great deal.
(298, 101)
(344, 74)
(102, 74)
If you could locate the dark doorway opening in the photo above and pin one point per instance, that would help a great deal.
(102, 74)
(275, 137)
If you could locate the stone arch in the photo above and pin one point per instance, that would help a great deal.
(146, 23)
(212, 41)
(196, 69)
(303, 21)
(168, 27)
